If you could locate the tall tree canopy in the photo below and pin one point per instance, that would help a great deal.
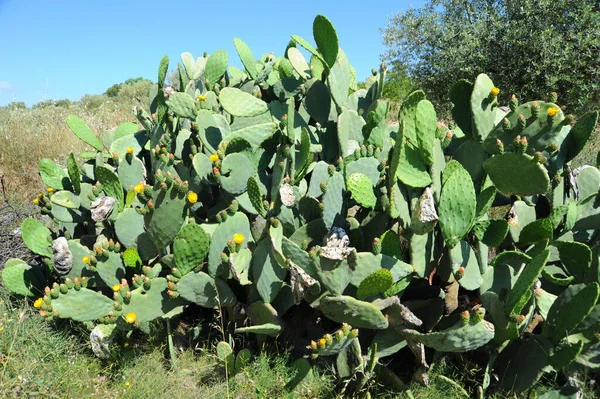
(528, 47)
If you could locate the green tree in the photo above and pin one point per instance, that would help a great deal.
(528, 47)
(114, 90)
(397, 85)
(17, 105)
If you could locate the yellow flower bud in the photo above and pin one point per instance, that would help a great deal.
(130, 150)
(139, 188)
(192, 197)
(130, 318)
(36, 201)
(86, 260)
(495, 91)
(214, 158)
(238, 238)
(201, 98)
(322, 342)
(117, 287)
(50, 189)
(552, 111)
(38, 303)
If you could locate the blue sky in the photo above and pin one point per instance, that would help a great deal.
(55, 49)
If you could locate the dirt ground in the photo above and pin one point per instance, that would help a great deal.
(11, 216)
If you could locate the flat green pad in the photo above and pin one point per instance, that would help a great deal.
(65, 199)
(203, 290)
(52, 175)
(326, 39)
(576, 257)
(456, 339)
(190, 247)
(216, 66)
(36, 235)
(182, 104)
(375, 284)
(269, 329)
(368, 263)
(518, 174)
(153, 303)
(82, 305)
(409, 166)
(111, 185)
(81, 130)
(23, 279)
(482, 110)
(236, 169)
(580, 134)
(239, 103)
(345, 309)
(128, 227)
(266, 273)
(520, 292)
(167, 217)
(362, 190)
(236, 224)
(246, 57)
(457, 206)
(574, 311)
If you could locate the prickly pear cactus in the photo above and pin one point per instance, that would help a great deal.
(247, 192)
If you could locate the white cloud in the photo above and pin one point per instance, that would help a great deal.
(5, 86)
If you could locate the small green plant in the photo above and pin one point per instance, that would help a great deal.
(250, 191)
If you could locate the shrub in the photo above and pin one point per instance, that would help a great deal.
(250, 192)
(530, 48)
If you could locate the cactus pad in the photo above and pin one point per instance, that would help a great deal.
(345, 309)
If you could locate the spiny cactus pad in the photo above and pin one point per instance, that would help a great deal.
(345, 309)
(459, 338)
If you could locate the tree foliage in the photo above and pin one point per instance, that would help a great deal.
(115, 89)
(528, 47)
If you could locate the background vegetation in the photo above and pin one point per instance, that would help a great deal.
(528, 47)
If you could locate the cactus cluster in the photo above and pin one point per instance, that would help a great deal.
(282, 183)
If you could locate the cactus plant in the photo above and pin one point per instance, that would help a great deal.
(249, 192)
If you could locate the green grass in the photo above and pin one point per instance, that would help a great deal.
(39, 360)
(28, 135)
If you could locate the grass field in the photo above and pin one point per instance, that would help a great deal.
(39, 359)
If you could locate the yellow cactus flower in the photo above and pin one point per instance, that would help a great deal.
(552, 111)
(130, 150)
(50, 190)
(214, 158)
(127, 383)
(117, 287)
(495, 91)
(86, 260)
(36, 201)
(139, 188)
(238, 238)
(192, 197)
(38, 303)
(130, 318)
(201, 98)
(322, 342)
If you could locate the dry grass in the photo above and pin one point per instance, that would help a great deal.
(27, 135)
